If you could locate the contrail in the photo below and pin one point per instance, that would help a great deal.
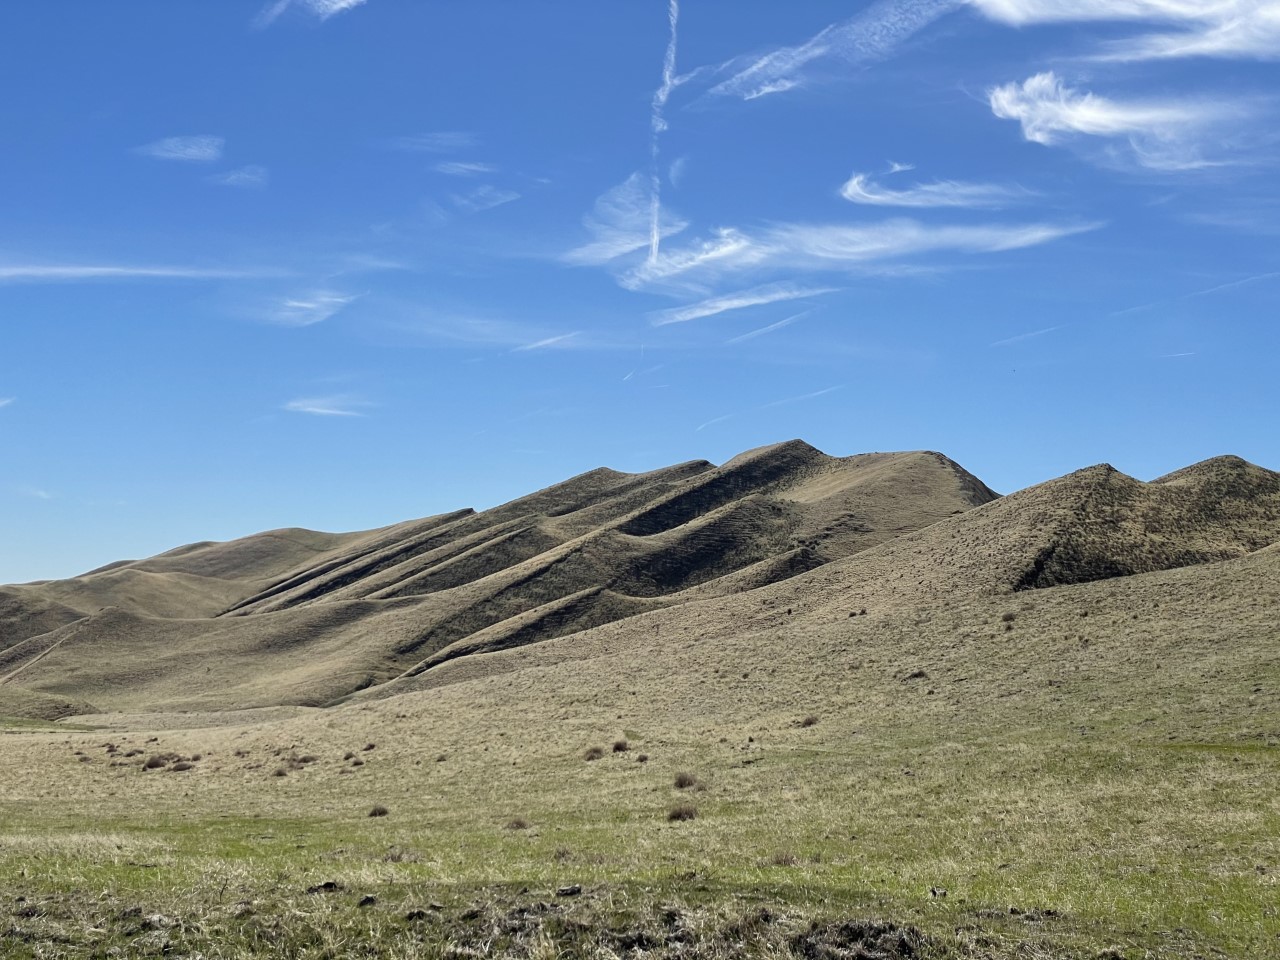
(658, 125)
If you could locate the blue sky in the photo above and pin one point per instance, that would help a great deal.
(335, 264)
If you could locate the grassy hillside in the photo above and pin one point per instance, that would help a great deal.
(1044, 727)
(245, 624)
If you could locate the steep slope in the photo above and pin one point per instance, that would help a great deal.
(25, 613)
(676, 551)
(362, 609)
(197, 580)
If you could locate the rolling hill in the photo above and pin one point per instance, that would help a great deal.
(294, 617)
(790, 706)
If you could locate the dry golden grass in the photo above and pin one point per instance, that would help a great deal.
(1055, 772)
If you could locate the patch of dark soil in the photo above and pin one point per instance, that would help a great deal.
(858, 940)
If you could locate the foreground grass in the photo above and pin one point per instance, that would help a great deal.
(1043, 849)
(949, 785)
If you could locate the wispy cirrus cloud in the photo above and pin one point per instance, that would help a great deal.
(754, 297)
(306, 309)
(458, 168)
(862, 189)
(198, 149)
(712, 422)
(620, 223)
(1206, 291)
(658, 125)
(5, 401)
(801, 397)
(439, 141)
(868, 37)
(785, 401)
(324, 9)
(1018, 338)
(1162, 134)
(834, 248)
(562, 340)
(249, 176)
(336, 405)
(752, 334)
(1233, 29)
(73, 272)
(484, 197)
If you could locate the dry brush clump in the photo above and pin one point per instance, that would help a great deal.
(687, 781)
(378, 810)
(682, 812)
(593, 753)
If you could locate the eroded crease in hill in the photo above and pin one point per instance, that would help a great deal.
(296, 617)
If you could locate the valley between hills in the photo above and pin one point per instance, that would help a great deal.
(793, 705)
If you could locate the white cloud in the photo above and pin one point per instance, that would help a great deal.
(441, 141)
(483, 197)
(198, 149)
(835, 247)
(756, 296)
(1163, 135)
(338, 405)
(727, 246)
(250, 176)
(1007, 341)
(324, 9)
(675, 173)
(752, 334)
(62, 273)
(456, 168)
(1025, 12)
(619, 224)
(1255, 37)
(772, 87)
(712, 422)
(1247, 29)
(860, 188)
(1206, 291)
(562, 340)
(658, 124)
(5, 401)
(309, 308)
(804, 396)
(872, 35)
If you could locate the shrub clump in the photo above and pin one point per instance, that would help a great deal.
(683, 812)
(594, 753)
(518, 823)
(621, 746)
(379, 811)
(809, 721)
(686, 780)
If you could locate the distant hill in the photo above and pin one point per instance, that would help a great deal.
(305, 618)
